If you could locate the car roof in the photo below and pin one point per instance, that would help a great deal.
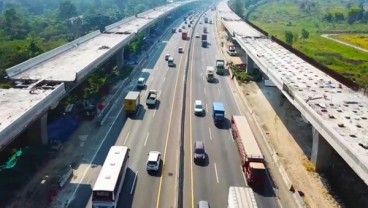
(153, 155)
(203, 204)
(199, 145)
(198, 102)
(141, 79)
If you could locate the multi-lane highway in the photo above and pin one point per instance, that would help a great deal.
(160, 129)
(212, 180)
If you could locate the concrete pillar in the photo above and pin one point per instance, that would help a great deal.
(321, 151)
(250, 65)
(37, 132)
(120, 59)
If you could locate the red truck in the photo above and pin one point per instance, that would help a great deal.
(184, 35)
(250, 153)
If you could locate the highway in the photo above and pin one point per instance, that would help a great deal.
(211, 181)
(150, 129)
(159, 129)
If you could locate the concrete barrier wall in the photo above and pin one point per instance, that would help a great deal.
(85, 38)
(82, 74)
(116, 24)
(31, 115)
(22, 67)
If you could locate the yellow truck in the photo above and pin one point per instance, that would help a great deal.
(132, 102)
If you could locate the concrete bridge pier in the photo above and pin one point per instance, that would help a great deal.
(321, 151)
(250, 65)
(120, 59)
(37, 132)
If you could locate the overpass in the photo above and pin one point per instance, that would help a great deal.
(337, 113)
(41, 82)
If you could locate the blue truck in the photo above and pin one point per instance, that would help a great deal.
(218, 113)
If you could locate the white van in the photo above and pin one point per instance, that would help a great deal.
(141, 82)
(170, 62)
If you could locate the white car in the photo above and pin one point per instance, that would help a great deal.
(197, 35)
(198, 107)
(154, 161)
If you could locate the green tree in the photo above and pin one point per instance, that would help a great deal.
(14, 25)
(238, 7)
(67, 10)
(339, 16)
(305, 34)
(289, 37)
(328, 17)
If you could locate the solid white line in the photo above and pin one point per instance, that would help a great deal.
(206, 108)
(126, 138)
(209, 129)
(135, 178)
(216, 173)
(94, 156)
(145, 142)
(154, 113)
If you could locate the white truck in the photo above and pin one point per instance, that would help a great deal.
(241, 197)
(210, 73)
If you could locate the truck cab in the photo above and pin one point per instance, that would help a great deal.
(218, 113)
(255, 173)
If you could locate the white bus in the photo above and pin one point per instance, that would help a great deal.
(110, 180)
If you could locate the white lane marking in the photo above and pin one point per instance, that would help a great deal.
(154, 113)
(145, 142)
(164, 79)
(159, 94)
(203, 77)
(206, 108)
(94, 156)
(204, 90)
(126, 138)
(218, 89)
(209, 129)
(135, 178)
(241, 170)
(216, 173)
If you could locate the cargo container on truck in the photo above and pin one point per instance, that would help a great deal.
(204, 40)
(210, 74)
(250, 153)
(132, 102)
(184, 35)
(220, 66)
(204, 29)
(241, 197)
(218, 113)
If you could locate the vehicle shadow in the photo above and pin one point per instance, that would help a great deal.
(203, 163)
(214, 81)
(139, 115)
(158, 173)
(128, 190)
(226, 125)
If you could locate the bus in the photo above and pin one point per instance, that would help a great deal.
(110, 180)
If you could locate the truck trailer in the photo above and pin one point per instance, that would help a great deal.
(250, 153)
(184, 35)
(241, 197)
(218, 113)
(220, 66)
(132, 102)
(204, 40)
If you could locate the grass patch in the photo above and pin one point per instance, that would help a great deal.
(360, 40)
(278, 17)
